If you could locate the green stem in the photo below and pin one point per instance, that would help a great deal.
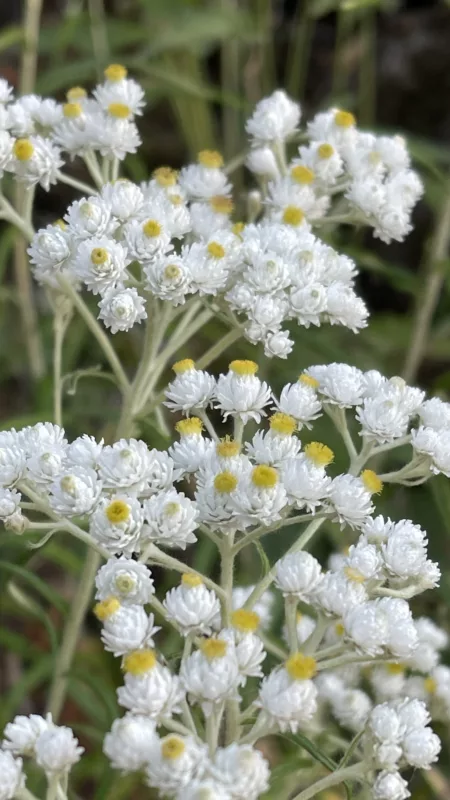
(290, 610)
(157, 556)
(226, 578)
(300, 50)
(82, 187)
(60, 322)
(80, 604)
(355, 772)
(99, 34)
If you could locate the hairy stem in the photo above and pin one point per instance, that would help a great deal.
(354, 772)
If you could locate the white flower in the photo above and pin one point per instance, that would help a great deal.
(146, 239)
(340, 384)
(116, 524)
(84, 452)
(75, 492)
(35, 161)
(272, 448)
(298, 574)
(124, 198)
(125, 465)
(155, 692)
(12, 458)
(242, 769)
(125, 92)
(128, 628)
(274, 119)
(421, 748)
(351, 708)
(405, 551)
(259, 497)
(100, 263)
(206, 789)
(131, 742)
(23, 732)
(126, 579)
(263, 607)
(211, 674)
(261, 161)
(192, 605)
(363, 562)
(171, 519)
(169, 278)
(288, 702)
(300, 401)
(382, 418)
(350, 500)
(434, 413)
(12, 779)
(50, 252)
(278, 345)
(90, 217)
(241, 394)
(121, 307)
(175, 761)
(9, 502)
(337, 595)
(193, 450)
(57, 750)
(307, 486)
(390, 786)
(112, 137)
(192, 388)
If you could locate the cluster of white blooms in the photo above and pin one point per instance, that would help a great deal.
(53, 748)
(174, 237)
(354, 613)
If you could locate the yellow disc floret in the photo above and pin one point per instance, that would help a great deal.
(302, 174)
(264, 476)
(430, 685)
(106, 608)
(60, 224)
(395, 669)
(213, 648)
(151, 228)
(225, 482)
(221, 204)
(190, 426)
(319, 454)
(119, 110)
(72, 110)
(245, 621)
(99, 256)
(191, 580)
(282, 423)
(227, 448)
(237, 228)
(172, 747)
(115, 72)
(23, 149)
(353, 575)
(165, 176)
(210, 158)
(172, 272)
(339, 628)
(184, 365)
(125, 583)
(308, 380)
(325, 151)
(139, 662)
(293, 215)
(300, 667)
(215, 250)
(76, 93)
(344, 119)
(118, 511)
(371, 481)
(244, 367)
(172, 509)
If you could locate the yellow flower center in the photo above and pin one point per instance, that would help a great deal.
(300, 667)
(23, 149)
(106, 608)
(430, 685)
(99, 255)
(115, 72)
(191, 580)
(319, 454)
(72, 110)
(171, 509)
(172, 272)
(293, 215)
(339, 628)
(344, 119)
(175, 199)
(371, 481)
(302, 174)
(244, 367)
(245, 621)
(213, 648)
(187, 427)
(60, 224)
(299, 616)
(76, 93)
(282, 423)
(151, 228)
(210, 158)
(264, 477)
(237, 228)
(125, 584)
(68, 484)
(216, 250)
(353, 575)
(395, 669)
(165, 176)
(225, 482)
(184, 365)
(119, 110)
(325, 151)
(221, 204)
(308, 380)
(227, 448)
(139, 662)
(172, 747)
(118, 511)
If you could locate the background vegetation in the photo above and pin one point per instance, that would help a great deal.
(203, 65)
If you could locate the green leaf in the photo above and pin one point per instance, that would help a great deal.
(38, 584)
(30, 679)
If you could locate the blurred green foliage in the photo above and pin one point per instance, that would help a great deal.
(203, 64)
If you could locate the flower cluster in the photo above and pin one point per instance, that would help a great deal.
(174, 237)
(126, 501)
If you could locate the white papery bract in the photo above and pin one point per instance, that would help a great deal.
(298, 574)
(128, 580)
(242, 770)
(23, 732)
(130, 743)
(57, 750)
(12, 777)
(192, 606)
(174, 762)
(288, 703)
